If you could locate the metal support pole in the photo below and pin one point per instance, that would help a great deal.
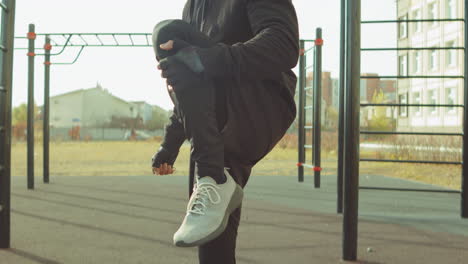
(464, 194)
(30, 125)
(351, 150)
(6, 80)
(317, 106)
(301, 121)
(46, 110)
(339, 182)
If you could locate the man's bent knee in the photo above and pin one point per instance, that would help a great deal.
(168, 30)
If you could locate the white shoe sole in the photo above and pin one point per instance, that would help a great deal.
(235, 202)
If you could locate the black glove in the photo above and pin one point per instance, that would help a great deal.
(184, 68)
(163, 156)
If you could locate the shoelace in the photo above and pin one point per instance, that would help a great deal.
(202, 193)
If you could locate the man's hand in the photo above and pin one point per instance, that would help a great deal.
(174, 45)
(183, 53)
(163, 161)
(164, 169)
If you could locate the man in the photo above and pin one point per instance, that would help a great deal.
(228, 69)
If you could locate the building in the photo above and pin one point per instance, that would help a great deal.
(144, 110)
(430, 62)
(94, 107)
(327, 86)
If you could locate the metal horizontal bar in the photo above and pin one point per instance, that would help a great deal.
(4, 7)
(308, 146)
(308, 88)
(309, 107)
(407, 189)
(414, 20)
(3, 48)
(99, 39)
(94, 34)
(410, 133)
(116, 41)
(308, 40)
(414, 105)
(413, 161)
(308, 127)
(73, 62)
(414, 77)
(81, 37)
(147, 41)
(68, 39)
(308, 166)
(415, 48)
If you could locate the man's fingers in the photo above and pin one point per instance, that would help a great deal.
(175, 45)
(167, 46)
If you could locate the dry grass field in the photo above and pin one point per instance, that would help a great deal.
(133, 158)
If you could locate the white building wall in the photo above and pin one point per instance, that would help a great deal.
(65, 110)
(427, 34)
(99, 107)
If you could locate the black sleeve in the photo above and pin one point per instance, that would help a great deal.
(174, 134)
(273, 49)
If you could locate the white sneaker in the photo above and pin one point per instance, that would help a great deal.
(208, 211)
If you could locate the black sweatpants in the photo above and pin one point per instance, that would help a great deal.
(228, 126)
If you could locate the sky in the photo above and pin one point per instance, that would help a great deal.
(131, 74)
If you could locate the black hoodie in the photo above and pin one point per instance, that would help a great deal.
(258, 45)
(257, 39)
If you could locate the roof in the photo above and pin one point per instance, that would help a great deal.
(88, 90)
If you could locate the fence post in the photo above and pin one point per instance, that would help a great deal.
(46, 110)
(317, 124)
(464, 195)
(339, 181)
(301, 121)
(30, 125)
(7, 25)
(351, 150)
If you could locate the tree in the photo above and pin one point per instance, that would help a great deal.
(379, 120)
(20, 114)
(19, 120)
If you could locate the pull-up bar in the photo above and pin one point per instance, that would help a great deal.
(63, 40)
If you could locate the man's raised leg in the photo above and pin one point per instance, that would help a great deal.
(216, 194)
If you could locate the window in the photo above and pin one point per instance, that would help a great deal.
(433, 59)
(403, 65)
(403, 99)
(56, 101)
(417, 26)
(417, 62)
(451, 54)
(451, 98)
(433, 12)
(432, 100)
(403, 27)
(451, 9)
(417, 100)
